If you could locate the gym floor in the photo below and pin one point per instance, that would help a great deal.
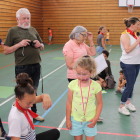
(54, 72)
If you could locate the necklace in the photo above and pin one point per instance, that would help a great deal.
(84, 109)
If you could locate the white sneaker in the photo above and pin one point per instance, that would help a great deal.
(124, 110)
(39, 118)
(130, 107)
(100, 119)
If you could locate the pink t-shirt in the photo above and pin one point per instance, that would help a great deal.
(71, 49)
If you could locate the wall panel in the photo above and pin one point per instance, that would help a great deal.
(62, 16)
(8, 10)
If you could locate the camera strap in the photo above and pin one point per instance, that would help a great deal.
(23, 51)
(41, 78)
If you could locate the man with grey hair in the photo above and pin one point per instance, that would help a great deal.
(26, 43)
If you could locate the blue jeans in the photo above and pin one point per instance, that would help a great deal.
(33, 71)
(99, 49)
(131, 72)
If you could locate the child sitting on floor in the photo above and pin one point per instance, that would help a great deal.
(122, 83)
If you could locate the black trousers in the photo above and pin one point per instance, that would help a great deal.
(52, 134)
(1, 126)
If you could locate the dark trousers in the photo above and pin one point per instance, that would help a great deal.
(131, 72)
(52, 134)
(34, 73)
(2, 129)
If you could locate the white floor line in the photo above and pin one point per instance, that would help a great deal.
(53, 71)
(61, 124)
(7, 100)
(109, 51)
(39, 80)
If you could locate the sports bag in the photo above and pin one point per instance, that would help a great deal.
(110, 81)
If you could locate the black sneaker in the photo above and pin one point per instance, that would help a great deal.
(4, 134)
(7, 138)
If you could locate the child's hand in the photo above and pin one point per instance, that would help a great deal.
(124, 82)
(68, 124)
(120, 79)
(93, 123)
(47, 103)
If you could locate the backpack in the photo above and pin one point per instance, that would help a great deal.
(110, 81)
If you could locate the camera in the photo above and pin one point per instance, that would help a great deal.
(32, 44)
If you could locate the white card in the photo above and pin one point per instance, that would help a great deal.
(100, 63)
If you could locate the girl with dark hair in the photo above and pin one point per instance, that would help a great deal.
(20, 120)
(100, 40)
(130, 62)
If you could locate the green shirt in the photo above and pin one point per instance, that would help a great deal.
(77, 105)
(24, 55)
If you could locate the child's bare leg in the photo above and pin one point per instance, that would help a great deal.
(119, 89)
(109, 43)
(78, 137)
(90, 138)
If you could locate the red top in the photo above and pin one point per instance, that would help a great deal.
(50, 32)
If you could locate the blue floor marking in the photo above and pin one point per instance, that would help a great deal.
(36, 123)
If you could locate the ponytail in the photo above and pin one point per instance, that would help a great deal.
(131, 20)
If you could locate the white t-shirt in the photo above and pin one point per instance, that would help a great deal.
(134, 56)
(18, 123)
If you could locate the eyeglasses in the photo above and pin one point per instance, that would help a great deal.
(84, 35)
(81, 75)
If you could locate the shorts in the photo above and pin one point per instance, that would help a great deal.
(107, 39)
(78, 128)
(50, 37)
(99, 49)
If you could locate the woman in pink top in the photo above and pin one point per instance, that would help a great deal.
(76, 48)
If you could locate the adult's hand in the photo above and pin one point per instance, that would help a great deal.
(138, 39)
(37, 43)
(90, 36)
(24, 43)
(2, 44)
